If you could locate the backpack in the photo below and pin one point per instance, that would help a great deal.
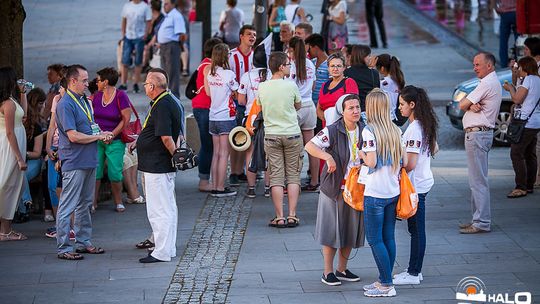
(191, 88)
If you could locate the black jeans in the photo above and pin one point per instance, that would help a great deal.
(374, 9)
(417, 229)
(523, 155)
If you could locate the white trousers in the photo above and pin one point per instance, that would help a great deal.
(162, 213)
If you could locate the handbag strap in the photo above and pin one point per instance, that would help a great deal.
(130, 105)
(532, 111)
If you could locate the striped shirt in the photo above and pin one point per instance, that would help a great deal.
(321, 77)
(240, 63)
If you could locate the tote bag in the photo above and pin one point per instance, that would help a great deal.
(408, 198)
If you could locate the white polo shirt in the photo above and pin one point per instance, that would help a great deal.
(488, 94)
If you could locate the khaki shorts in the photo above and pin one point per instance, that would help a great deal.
(285, 154)
(130, 160)
(307, 117)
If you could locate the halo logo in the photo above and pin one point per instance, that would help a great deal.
(472, 289)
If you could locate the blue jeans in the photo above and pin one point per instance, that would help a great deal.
(207, 147)
(508, 24)
(34, 168)
(52, 180)
(380, 223)
(417, 229)
(127, 49)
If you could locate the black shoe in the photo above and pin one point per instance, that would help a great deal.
(347, 276)
(310, 188)
(385, 45)
(223, 193)
(374, 46)
(150, 259)
(242, 177)
(330, 279)
(136, 88)
(234, 180)
(123, 87)
(251, 193)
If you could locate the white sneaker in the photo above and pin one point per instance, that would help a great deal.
(420, 276)
(380, 292)
(48, 218)
(138, 200)
(406, 279)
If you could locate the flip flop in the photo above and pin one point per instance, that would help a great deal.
(90, 250)
(120, 208)
(517, 193)
(145, 244)
(70, 256)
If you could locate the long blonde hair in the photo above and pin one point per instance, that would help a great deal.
(387, 134)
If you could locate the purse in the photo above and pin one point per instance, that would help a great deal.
(184, 157)
(408, 198)
(133, 129)
(353, 193)
(517, 126)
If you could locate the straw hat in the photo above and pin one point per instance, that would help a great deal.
(239, 139)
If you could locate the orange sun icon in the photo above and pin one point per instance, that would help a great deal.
(471, 290)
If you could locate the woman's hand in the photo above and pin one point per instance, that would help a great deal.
(52, 155)
(331, 164)
(22, 165)
(507, 86)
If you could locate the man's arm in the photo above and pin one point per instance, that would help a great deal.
(465, 104)
(81, 138)
(169, 143)
(123, 27)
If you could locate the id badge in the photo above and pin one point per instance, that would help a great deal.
(95, 129)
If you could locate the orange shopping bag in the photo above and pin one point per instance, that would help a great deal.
(253, 112)
(353, 194)
(408, 198)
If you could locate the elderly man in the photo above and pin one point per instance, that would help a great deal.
(286, 32)
(481, 107)
(171, 34)
(78, 133)
(155, 147)
(303, 30)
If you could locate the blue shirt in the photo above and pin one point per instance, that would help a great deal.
(70, 116)
(172, 26)
(322, 76)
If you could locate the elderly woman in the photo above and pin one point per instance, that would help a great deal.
(338, 225)
(523, 154)
(112, 112)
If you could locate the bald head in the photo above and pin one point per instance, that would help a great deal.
(158, 79)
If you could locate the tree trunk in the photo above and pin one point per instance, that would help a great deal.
(12, 17)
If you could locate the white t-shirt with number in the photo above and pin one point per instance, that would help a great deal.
(383, 183)
(322, 140)
(249, 86)
(222, 84)
(413, 140)
(136, 17)
(306, 87)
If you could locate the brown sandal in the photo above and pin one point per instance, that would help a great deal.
(292, 221)
(71, 256)
(12, 236)
(90, 250)
(278, 222)
(516, 193)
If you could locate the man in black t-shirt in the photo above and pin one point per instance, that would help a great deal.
(155, 147)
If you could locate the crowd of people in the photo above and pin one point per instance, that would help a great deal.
(348, 109)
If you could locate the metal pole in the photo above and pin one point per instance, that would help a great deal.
(260, 20)
(204, 14)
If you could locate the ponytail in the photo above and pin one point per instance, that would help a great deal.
(423, 112)
(299, 48)
(395, 72)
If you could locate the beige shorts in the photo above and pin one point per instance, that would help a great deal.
(307, 117)
(130, 160)
(285, 154)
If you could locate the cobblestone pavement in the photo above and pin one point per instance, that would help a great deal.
(205, 270)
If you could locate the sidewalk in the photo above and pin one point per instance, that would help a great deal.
(285, 265)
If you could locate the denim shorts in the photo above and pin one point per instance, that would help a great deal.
(221, 127)
(127, 50)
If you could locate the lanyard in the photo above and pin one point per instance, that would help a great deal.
(354, 143)
(152, 107)
(87, 111)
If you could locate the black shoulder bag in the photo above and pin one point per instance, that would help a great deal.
(517, 125)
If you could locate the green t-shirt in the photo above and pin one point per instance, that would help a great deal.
(277, 98)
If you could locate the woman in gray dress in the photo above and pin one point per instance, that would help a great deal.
(338, 225)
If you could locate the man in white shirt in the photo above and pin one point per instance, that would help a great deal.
(286, 32)
(136, 18)
(241, 62)
(171, 34)
(481, 107)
